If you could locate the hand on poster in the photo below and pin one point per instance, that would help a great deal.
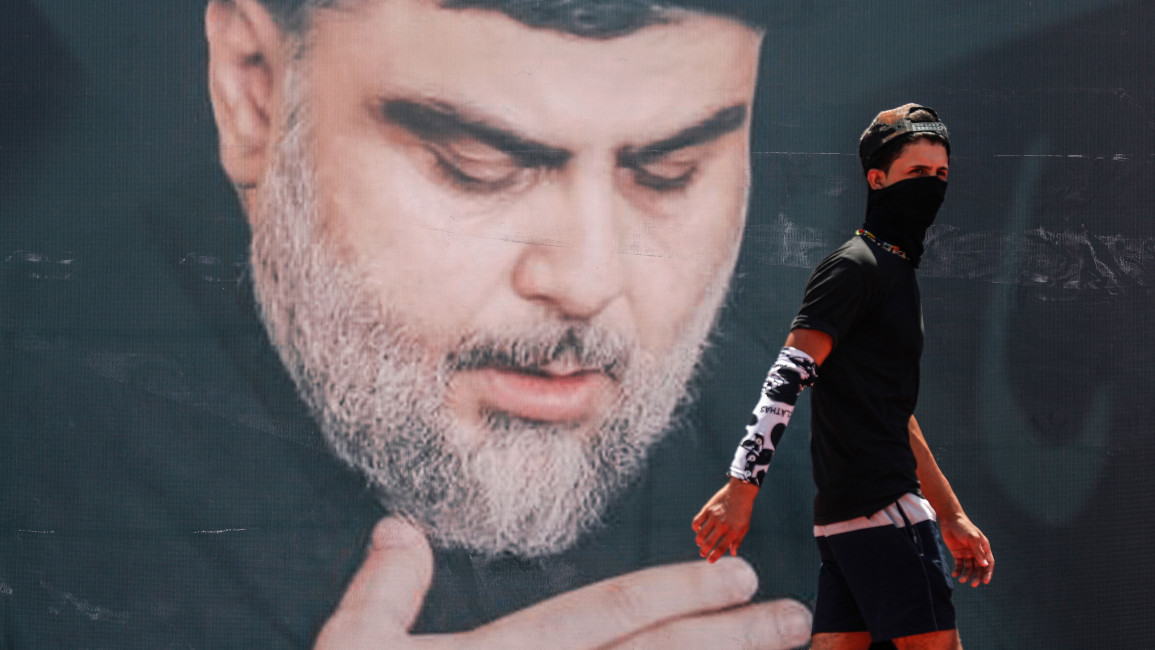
(668, 607)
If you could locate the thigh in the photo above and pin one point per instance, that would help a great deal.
(840, 641)
(945, 640)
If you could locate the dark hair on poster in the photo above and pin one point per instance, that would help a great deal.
(585, 18)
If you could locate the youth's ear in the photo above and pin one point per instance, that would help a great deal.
(876, 179)
(245, 55)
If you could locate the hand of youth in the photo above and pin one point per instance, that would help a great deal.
(668, 607)
(723, 522)
(973, 560)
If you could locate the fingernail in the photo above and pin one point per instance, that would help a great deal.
(395, 533)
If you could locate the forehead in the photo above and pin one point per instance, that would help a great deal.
(536, 78)
(923, 152)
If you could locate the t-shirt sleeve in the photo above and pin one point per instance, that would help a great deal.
(838, 295)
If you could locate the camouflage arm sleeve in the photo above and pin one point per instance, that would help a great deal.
(793, 371)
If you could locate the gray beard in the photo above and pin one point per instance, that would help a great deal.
(527, 488)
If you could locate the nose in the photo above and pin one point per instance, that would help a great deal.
(580, 270)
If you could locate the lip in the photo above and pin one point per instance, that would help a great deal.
(547, 396)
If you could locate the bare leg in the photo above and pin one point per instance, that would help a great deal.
(840, 641)
(945, 640)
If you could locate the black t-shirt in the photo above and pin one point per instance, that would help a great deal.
(867, 300)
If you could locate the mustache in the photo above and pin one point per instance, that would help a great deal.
(588, 347)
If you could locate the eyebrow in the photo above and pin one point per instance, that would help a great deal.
(711, 128)
(435, 120)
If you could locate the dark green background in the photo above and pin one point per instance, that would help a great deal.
(1039, 373)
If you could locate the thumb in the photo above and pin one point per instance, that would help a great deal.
(386, 593)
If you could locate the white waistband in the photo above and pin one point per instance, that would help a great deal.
(915, 508)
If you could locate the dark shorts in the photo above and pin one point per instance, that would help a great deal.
(889, 580)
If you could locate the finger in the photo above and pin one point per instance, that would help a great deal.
(707, 528)
(775, 625)
(713, 540)
(961, 565)
(978, 562)
(979, 572)
(613, 609)
(967, 570)
(718, 545)
(986, 574)
(717, 552)
(727, 543)
(390, 586)
(704, 547)
(704, 522)
(974, 570)
(989, 567)
(716, 534)
(699, 519)
(736, 542)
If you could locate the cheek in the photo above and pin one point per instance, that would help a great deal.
(696, 251)
(409, 245)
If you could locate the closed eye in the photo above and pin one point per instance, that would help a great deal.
(665, 175)
(671, 164)
(476, 168)
(474, 154)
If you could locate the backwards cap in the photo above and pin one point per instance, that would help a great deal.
(891, 125)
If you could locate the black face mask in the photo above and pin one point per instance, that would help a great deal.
(901, 213)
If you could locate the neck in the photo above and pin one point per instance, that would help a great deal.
(900, 214)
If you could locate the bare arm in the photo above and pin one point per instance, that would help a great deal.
(974, 561)
(813, 342)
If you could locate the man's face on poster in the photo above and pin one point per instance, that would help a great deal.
(490, 254)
